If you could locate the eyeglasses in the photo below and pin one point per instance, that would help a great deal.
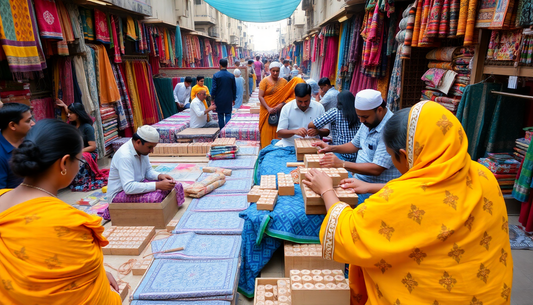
(77, 158)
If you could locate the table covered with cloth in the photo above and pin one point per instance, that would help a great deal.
(264, 231)
(241, 130)
(169, 129)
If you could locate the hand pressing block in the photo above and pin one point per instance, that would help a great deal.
(314, 204)
(304, 146)
(313, 161)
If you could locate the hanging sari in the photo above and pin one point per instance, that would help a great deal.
(275, 94)
(438, 234)
(51, 253)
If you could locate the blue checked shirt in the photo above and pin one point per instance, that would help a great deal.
(372, 150)
(341, 133)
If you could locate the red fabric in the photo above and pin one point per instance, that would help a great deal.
(116, 43)
(101, 28)
(526, 215)
(330, 60)
(147, 106)
(67, 84)
(48, 19)
(104, 173)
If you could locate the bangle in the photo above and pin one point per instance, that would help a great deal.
(344, 164)
(326, 192)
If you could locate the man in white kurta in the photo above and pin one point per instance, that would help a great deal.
(200, 117)
(182, 93)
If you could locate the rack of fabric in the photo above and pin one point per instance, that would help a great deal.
(110, 127)
(15, 92)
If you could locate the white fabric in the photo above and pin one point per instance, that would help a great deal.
(148, 133)
(198, 118)
(237, 72)
(368, 99)
(127, 171)
(182, 95)
(284, 71)
(275, 64)
(291, 118)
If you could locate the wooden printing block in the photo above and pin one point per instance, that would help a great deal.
(313, 161)
(314, 205)
(141, 265)
(331, 172)
(316, 296)
(343, 173)
(285, 185)
(303, 146)
(262, 282)
(254, 194)
(134, 240)
(123, 291)
(190, 149)
(268, 200)
(306, 256)
(268, 182)
(172, 225)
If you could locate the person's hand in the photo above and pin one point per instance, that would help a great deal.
(279, 107)
(213, 107)
(302, 132)
(165, 185)
(272, 110)
(318, 181)
(312, 132)
(162, 177)
(321, 92)
(60, 103)
(356, 185)
(323, 147)
(330, 160)
(112, 281)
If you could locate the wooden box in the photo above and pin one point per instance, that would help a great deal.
(285, 185)
(141, 265)
(254, 194)
(313, 161)
(145, 214)
(268, 200)
(124, 291)
(172, 225)
(303, 146)
(306, 256)
(319, 287)
(315, 205)
(268, 182)
(331, 172)
(127, 240)
(279, 287)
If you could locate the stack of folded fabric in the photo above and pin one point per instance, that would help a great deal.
(117, 143)
(504, 167)
(110, 127)
(15, 92)
(223, 152)
(206, 186)
(522, 146)
(448, 75)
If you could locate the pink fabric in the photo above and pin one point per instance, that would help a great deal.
(104, 173)
(43, 108)
(67, 84)
(116, 43)
(48, 19)
(100, 24)
(257, 68)
(361, 82)
(152, 197)
(330, 61)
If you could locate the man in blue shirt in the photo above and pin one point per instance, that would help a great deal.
(15, 122)
(373, 163)
(224, 93)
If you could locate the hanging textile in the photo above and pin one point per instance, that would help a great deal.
(330, 34)
(21, 58)
(82, 82)
(88, 23)
(43, 108)
(164, 91)
(179, 47)
(48, 19)
(102, 30)
(116, 44)
(107, 85)
(127, 74)
(131, 33)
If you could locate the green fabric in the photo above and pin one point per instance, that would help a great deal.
(522, 186)
(163, 87)
(179, 46)
(110, 31)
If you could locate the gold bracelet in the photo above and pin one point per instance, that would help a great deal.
(326, 192)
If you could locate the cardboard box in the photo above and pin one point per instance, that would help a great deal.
(268, 200)
(145, 214)
(254, 194)
(319, 292)
(303, 147)
(127, 240)
(313, 161)
(275, 283)
(315, 205)
(306, 256)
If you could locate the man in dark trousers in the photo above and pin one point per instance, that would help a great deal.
(224, 93)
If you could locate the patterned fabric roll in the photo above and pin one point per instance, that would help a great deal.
(454, 18)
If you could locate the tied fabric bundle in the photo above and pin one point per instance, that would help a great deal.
(206, 186)
(218, 170)
(223, 152)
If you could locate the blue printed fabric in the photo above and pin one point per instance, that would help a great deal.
(263, 229)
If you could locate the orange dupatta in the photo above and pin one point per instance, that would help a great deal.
(277, 93)
(436, 235)
(51, 253)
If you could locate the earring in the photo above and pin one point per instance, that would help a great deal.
(64, 172)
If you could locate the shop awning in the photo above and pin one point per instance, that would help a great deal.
(256, 10)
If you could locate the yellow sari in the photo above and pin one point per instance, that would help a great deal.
(50, 253)
(275, 94)
(436, 235)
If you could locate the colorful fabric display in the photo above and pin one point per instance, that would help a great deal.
(48, 19)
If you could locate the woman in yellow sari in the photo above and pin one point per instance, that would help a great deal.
(274, 92)
(50, 252)
(436, 235)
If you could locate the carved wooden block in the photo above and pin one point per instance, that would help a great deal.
(224, 142)
(268, 182)
(306, 256)
(123, 290)
(128, 240)
(254, 194)
(303, 146)
(285, 185)
(333, 173)
(319, 286)
(313, 161)
(315, 205)
(172, 225)
(141, 265)
(268, 200)
(271, 291)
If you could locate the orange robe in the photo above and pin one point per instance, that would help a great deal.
(275, 93)
(50, 253)
(438, 234)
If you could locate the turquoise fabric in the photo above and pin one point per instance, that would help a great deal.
(256, 10)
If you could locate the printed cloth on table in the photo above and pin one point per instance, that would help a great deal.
(214, 223)
(169, 279)
(235, 186)
(263, 230)
(241, 143)
(198, 246)
(241, 131)
(168, 131)
(220, 203)
(206, 302)
(152, 197)
(238, 163)
(248, 151)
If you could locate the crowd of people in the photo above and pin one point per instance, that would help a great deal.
(419, 191)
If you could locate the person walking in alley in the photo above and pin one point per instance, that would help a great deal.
(258, 68)
(224, 93)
